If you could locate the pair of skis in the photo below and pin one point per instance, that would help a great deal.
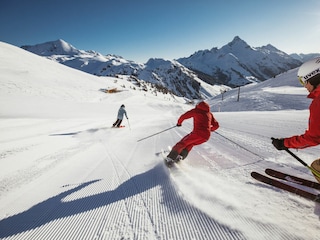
(287, 187)
(169, 163)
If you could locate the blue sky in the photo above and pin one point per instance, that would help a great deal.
(142, 29)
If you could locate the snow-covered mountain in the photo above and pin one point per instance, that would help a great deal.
(164, 74)
(304, 57)
(88, 61)
(237, 63)
(234, 64)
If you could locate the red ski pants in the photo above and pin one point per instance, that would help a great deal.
(188, 142)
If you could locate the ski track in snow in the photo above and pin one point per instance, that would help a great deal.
(143, 209)
(190, 201)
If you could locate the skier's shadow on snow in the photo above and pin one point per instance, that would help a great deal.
(57, 208)
(91, 130)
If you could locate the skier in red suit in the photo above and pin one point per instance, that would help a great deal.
(203, 124)
(309, 76)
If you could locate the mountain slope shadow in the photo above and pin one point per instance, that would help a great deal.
(55, 208)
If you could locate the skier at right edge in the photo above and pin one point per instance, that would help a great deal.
(309, 76)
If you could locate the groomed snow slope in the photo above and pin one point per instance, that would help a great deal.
(66, 174)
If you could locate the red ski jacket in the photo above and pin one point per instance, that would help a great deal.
(312, 136)
(203, 120)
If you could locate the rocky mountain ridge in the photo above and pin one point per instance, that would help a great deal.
(204, 74)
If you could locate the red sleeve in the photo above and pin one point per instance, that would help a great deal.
(312, 136)
(185, 116)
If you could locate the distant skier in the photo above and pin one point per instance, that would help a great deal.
(203, 124)
(122, 111)
(309, 76)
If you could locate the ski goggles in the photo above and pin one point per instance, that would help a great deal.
(303, 83)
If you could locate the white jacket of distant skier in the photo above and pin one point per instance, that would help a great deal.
(122, 111)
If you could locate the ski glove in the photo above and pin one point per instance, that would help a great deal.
(278, 143)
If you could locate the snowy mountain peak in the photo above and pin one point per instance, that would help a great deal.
(58, 47)
(237, 43)
(271, 49)
(237, 63)
(157, 62)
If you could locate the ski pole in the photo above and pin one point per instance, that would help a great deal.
(314, 171)
(128, 124)
(156, 134)
(239, 145)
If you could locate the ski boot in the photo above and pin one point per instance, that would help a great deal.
(178, 158)
(169, 161)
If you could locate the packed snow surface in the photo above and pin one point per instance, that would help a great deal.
(66, 174)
